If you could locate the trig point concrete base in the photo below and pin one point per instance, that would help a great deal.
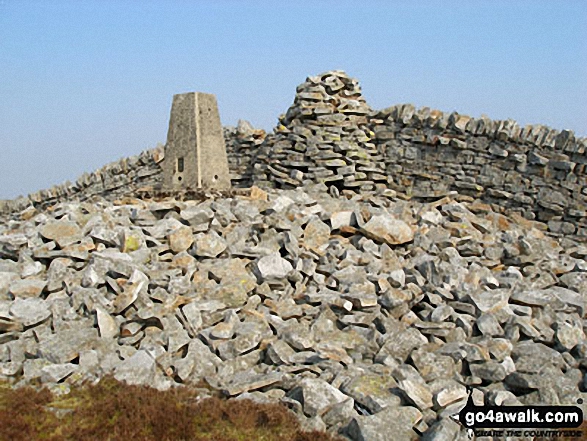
(195, 153)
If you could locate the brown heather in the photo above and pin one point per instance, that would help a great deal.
(114, 411)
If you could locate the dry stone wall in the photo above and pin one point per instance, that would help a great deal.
(114, 180)
(536, 171)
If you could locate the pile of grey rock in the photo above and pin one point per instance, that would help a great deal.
(323, 138)
(367, 315)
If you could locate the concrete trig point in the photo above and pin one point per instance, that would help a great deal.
(195, 153)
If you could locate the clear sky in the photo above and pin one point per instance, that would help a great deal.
(84, 83)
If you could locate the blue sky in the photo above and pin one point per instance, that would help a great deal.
(84, 83)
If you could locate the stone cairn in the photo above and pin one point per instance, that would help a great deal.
(323, 138)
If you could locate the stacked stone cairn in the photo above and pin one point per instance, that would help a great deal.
(323, 138)
(242, 143)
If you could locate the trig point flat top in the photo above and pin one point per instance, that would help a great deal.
(195, 153)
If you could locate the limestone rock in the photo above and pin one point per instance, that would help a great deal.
(62, 231)
(373, 392)
(209, 244)
(181, 239)
(388, 230)
(27, 288)
(30, 311)
(66, 345)
(287, 296)
(138, 369)
(273, 266)
(398, 421)
(316, 396)
(106, 324)
(417, 393)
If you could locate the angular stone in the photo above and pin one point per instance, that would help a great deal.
(281, 203)
(30, 311)
(177, 336)
(340, 414)
(199, 362)
(488, 325)
(490, 371)
(397, 278)
(446, 392)
(395, 297)
(273, 266)
(444, 430)
(32, 368)
(10, 369)
(490, 301)
(400, 344)
(530, 357)
(26, 288)
(230, 295)
(432, 366)
(197, 214)
(139, 369)
(106, 324)
(570, 297)
(184, 261)
(373, 391)
(137, 283)
(297, 335)
(384, 228)
(223, 330)
(55, 373)
(316, 235)
(555, 296)
(417, 393)
(62, 231)
(394, 422)
(57, 273)
(316, 396)
(341, 219)
(193, 317)
(132, 240)
(6, 279)
(181, 239)
(360, 298)
(247, 381)
(163, 228)
(66, 345)
(532, 297)
(279, 352)
(209, 245)
(569, 335)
